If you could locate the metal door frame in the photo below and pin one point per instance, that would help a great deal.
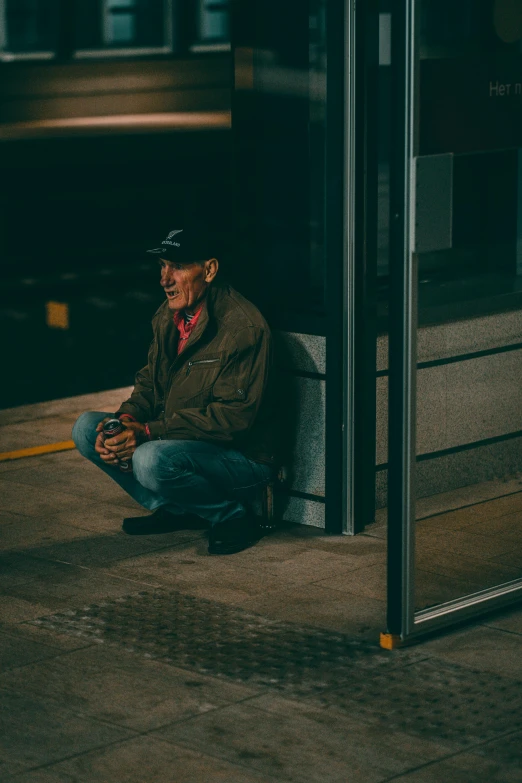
(351, 263)
(403, 621)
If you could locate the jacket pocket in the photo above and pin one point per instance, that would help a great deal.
(195, 381)
(204, 364)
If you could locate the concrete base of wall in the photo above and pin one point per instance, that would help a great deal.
(461, 469)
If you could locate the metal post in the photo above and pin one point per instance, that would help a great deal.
(338, 267)
(402, 330)
(365, 263)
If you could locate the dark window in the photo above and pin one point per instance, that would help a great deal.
(213, 21)
(279, 128)
(29, 25)
(122, 24)
(92, 28)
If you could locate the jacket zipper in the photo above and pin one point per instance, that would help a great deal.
(200, 361)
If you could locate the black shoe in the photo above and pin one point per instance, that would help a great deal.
(230, 537)
(160, 521)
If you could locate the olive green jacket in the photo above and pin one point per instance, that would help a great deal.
(220, 389)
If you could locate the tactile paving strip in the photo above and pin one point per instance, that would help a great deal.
(220, 640)
(433, 698)
(404, 691)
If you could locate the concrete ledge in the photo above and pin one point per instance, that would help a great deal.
(301, 352)
(460, 337)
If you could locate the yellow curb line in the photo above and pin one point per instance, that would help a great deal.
(34, 451)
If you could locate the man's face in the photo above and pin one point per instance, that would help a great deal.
(185, 284)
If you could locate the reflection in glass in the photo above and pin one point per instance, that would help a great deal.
(469, 107)
(469, 399)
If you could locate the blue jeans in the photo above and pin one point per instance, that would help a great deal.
(186, 476)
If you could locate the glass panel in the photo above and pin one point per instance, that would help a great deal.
(468, 233)
(30, 25)
(471, 108)
(470, 105)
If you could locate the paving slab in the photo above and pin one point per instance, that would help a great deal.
(360, 546)
(112, 686)
(34, 733)
(145, 760)
(508, 620)
(35, 634)
(96, 550)
(99, 517)
(432, 588)
(483, 494)
(507, 524)
(22, 498)
(274, 548)
(463, 768)
(313, 563)
(18, 610)
(369, 581)
(322, 607)
(485, 649)
(377, 530)
(17, 651)
(71, 481)
(19, 567)
(513, 558)
(80, 480)
(506, 751)
(41, 471)
(77, 588)
(31, 532)
(191, 569)
(54, 458)
(36, 433)
(7, 517)
(300, 745)
(464, 542)
(478, 570)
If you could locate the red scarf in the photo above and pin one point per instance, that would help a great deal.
(185, 328)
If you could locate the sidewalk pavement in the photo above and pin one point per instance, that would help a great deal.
(144, 660)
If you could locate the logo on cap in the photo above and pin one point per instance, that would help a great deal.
(173, 233)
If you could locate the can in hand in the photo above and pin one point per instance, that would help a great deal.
(111, 428)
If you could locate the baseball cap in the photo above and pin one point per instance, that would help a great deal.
(185, 245)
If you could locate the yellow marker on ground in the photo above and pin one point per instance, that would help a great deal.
(35, 451)
(390, 641)
(57, 315)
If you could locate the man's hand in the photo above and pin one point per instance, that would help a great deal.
(107, 456)
(122, 446)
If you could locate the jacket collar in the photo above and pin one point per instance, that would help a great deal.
(211, 303)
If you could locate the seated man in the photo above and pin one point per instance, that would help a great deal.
(199, 425)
